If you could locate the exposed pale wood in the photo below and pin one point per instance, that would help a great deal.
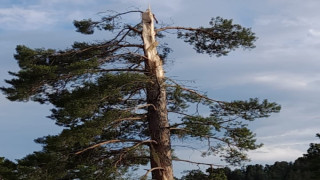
(150, 170)
(157, 117)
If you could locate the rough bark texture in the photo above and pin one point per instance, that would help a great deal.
(156, 97)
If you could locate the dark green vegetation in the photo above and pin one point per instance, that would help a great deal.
(304, 168)
(113, 103)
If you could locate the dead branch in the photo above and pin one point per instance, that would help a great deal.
(118, 70)
(176, 28)
(150, 170)
(134, 29)
(109, 142)
(118, 46)
(120, 14)
(198, 163)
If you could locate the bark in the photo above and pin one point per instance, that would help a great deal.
(160, 153)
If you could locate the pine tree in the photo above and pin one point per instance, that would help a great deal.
(7, 169)
(113, 99)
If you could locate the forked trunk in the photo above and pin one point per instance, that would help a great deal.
(160, 153)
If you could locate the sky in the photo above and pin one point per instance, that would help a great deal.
(283, 68)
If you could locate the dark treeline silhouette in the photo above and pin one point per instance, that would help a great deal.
(306, 167)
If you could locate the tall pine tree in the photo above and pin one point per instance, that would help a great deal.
(113, 99)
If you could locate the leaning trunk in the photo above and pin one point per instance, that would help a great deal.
(160, 152)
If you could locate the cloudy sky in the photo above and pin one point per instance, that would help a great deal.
(284, 67)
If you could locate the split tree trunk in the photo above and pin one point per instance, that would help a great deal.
(160, 153)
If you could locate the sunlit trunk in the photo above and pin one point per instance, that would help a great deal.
(160, 153)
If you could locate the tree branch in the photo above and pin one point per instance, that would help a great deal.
(198, 163)
(150, 170)
(134, 29)
(120, 70)
(131, 148)
(127, 119)
(109, 142)
(201, 29)
(177, 28)
(196, 93)
(120, 14)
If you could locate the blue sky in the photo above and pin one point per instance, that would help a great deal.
(284, 67)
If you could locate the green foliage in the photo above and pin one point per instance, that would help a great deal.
(216, 174)
(248, 110)
(225, 129)
(195, 175)
(219, 39)
(57, 165)
(85, 26)
(213, 174)
(92, 99)
(8, 169)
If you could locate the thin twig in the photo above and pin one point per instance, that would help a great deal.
(198, 163)
(118, 70)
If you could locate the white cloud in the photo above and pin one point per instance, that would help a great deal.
(291, 134)
(54, 2)
(314, 33)
(283, 81)
(24, 19)
(269, 154)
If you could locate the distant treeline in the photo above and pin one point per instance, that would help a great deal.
(303, 168)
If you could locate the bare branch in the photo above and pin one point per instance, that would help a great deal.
(150, 170)
(109, 142)
(177, 28)
(189, 147)
(198, 163)
(119, 70)
(118, 46)
(120, 14)
(134, 29)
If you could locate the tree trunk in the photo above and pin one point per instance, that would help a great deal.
(160, 153)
